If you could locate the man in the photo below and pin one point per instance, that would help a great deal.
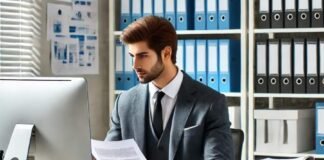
(170, 116)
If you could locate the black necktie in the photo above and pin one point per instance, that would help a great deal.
(157, 119)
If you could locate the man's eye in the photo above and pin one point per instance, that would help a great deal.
(142, 56)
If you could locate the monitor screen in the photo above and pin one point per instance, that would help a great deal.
(58, 107)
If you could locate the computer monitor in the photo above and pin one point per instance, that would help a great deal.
(58, 107)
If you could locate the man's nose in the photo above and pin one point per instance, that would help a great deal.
(135, 63)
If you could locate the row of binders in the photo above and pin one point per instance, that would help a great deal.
(290, 14)
(289, 66)
(185, 14)
(215, 63)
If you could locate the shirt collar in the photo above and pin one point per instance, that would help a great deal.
(171, 89)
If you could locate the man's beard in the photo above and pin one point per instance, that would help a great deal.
(155, 72)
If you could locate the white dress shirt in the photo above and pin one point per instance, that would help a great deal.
(168, 101)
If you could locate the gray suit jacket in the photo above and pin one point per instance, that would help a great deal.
(200, 124)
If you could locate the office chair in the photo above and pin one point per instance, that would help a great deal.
(238, 138)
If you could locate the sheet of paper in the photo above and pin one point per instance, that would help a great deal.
(58, 19)
(116, 150)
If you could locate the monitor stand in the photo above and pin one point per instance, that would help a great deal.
(19, 142)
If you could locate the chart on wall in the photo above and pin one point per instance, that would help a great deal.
(73, 33)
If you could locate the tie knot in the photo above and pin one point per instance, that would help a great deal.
(160, 95)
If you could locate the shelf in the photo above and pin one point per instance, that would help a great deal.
(287, 95)
(303, 154)
(233, 94)
(200, 32)
(289, 30)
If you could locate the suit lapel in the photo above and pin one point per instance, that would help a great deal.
(140, 116)
(183, 107)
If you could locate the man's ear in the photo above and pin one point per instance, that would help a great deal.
(167, 52)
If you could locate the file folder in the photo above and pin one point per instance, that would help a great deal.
(263, 16)
(212, 21)
(317, 13)
(290, 14)
(136, 9)
(170, 11)
(311, 66)
(158, 8)
(147, 7)
(229, 64)
(321, 66)
(180, 54)
(286, 81)
(201, 61)
(128, 70)
(190, 66)
(229, 14)
(212, 63)
(261, 69)
(277, 14)
(184, 14)
(200, 15)
(319, 123)
(273, 61)
(125, 16)
(303, 14)
(119, 66)
(299, 66)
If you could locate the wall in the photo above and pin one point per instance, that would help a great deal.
(97, 84)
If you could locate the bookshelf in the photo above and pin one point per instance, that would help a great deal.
(241, 34)
(269, 98)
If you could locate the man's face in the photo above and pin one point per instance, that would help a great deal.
(145, 62)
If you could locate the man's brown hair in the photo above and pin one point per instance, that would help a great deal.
(157, 32)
